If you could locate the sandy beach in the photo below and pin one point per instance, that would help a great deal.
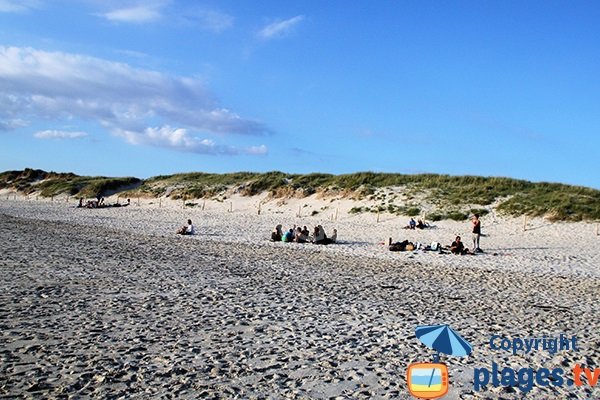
(99, 303)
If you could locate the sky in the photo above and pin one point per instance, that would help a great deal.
(145, 88)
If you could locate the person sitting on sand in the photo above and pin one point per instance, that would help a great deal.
(80, 202)
(421, 224)
(318, 234)
(300, 236)
(321, 237)
(288, 236)
(333, 237)
(305, 231)
(276, 234)
(411, 224)
(187, 229)
(457, 247)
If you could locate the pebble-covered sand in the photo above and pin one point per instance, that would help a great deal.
(111, 304)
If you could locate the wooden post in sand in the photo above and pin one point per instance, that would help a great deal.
(138, 201)
(378, 214)
(203, 204)
(231, 206)
(159, 202)
(258, 212)
(51, 198)
(183, 204)
(524, 223)
(299, 212)
(336, 212)
(597, 226)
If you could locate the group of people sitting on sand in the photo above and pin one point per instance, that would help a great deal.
(99, 203)
(419, 224)
(457, 246)
(303, 235)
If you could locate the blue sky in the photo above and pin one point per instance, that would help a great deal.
(162, 86)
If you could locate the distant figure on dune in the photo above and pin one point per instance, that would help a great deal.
(187, 229)
(276, 234)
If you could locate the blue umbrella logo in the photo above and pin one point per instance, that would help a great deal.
(443, 339)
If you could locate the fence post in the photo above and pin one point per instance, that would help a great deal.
(203, 204)
(524, 223)
(377, 214)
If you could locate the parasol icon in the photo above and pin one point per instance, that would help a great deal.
(443, 339)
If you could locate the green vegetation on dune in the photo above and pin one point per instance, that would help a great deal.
(49, 184)
(453, 197)
(556, 201)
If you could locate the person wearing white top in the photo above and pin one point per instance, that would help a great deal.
(187, 229)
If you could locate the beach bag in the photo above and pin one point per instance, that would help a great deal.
(435, 246)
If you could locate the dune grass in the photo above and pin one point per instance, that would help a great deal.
(454, 196)
(49, 184)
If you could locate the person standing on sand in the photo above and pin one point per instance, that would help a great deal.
(476, 222)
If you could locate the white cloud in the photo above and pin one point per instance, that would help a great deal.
(135, 14)
(11, 124)
(18, 6)
(279, 28)
(180, 139)
(257, 150)
(212, 21)
(37, 84)
(54, 134)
